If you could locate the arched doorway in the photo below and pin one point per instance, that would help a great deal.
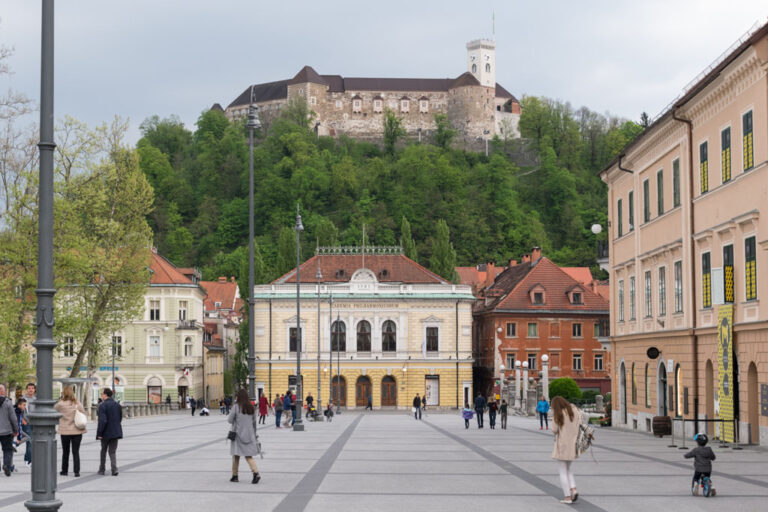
(623, 393)
(362, 391)
(339, 390)
(183, 390)
(388, 392)
(154, 390)
(753, 405)
(709, 395)
(661, 390)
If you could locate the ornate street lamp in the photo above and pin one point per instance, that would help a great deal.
(319, 277)
(252, 124)
(330, 348)
(298, 425)
(338, 364)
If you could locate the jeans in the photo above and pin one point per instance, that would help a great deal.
(492, 418)
(503, 420)
(543, 420)
(27, 429)
(193, 410)
(567, 481)
(7, 443)
(278, 415)
(74, 442)
(417, 413)
(466, 423)
(108, 445)
(479, 414)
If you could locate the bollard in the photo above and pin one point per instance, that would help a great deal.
(736, 435)
(673, 445)
(683, 447)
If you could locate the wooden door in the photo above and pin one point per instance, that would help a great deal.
(362, 391)
(339, 392)
(388, 392)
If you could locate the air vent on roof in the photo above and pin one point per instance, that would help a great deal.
(383, 273)
(340, 273)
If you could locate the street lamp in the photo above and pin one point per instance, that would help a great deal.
(330, 347)
(252, 124)
(596, 229)
(319, 277)
(545, 376)
(298, 425)
(43, 416)
(517, 384)
(525, 387)
(338, 363)
(501, 380)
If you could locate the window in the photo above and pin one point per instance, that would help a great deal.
(598, 362)
(423, 106)
(554, 329)
(313, 100)
(676, 183)
(404, 105)
(154, 346)
(510, 362)
(577, 362)
(377, 105)
(748, 136)
(577, 298)
(619, 221)
(511, 330)
(621, 300)
(576, 330)
(725, 154)
(648, 303)
(154, 309)
(662, 291)
(703, 167)
(533, 330)
(631, 210)
(634, 385)
(647, 387)
(339, 336)
(357, 105)
(646, 201)
(187, 347)
(706, 281)
(487, 68)
(531, 361)
(538, 298)
(432, 339)
(389, 337)
(117, 346)
(292, 340)
(182, 310)
(678, 287)
(68, 346)
(660, 191)
(750, 257)
(728, 273)
(474, 68)
(364, 336)
(632, 308)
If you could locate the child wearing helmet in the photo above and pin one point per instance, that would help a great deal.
(702, 457)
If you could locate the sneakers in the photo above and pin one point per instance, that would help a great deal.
(234, 479)
(567, 501)
(256, 478)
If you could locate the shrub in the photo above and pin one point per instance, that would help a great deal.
(565, 387)
(589, 395)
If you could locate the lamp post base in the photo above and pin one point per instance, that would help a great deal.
(43, 505)
(298, 427)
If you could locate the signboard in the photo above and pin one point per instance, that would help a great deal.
(718, 286)
(764, 399)
(652, 353)
(725, 369)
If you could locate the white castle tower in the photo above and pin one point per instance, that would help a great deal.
(481, 61)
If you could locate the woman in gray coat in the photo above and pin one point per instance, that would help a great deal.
(243, 420)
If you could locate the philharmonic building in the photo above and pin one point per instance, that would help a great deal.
(396, 329)
(689, 254)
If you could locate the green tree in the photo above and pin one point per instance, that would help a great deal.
(444, 134)
(443, 259)
(393, 130)
(286, 250)
(565, 387)
(406, 240)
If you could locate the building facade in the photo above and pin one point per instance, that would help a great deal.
(534, 308)
(398, 330)
(476, 106)
(690, 335)
(223, 316)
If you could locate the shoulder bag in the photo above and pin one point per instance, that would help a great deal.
(232, 434)
(81, 420)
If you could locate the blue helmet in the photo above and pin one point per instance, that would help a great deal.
(701, 438)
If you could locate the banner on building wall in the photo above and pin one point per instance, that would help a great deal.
(725, 386)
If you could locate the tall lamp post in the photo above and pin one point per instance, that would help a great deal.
(319, 277)
(501, 381)
(338, 363)
(330, 348)
(43, 416)
(298, 425)
(252, 124)
(517, 384)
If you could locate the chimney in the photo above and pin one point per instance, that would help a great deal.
(222, 279)
(154, 250)
(512, 263)
(526, 258)
(490, 274)
(232, 279)
(535, 253)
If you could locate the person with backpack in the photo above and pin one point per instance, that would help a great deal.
(566, 426)
(543, 409)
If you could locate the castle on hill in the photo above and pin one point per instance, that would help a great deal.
(476, 106)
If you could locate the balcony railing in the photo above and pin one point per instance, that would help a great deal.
(187, 324)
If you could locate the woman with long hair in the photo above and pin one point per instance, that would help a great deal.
(243, 420)
(566, 428)
(71, 436)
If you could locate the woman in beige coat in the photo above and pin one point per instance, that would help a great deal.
(71, 436)
(566, 428)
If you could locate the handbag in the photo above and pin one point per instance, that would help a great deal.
(232, 434)
(81, 420)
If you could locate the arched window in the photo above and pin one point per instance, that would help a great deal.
(487, 68)
(679, 391)
(389, 337)
(634, 385)
(187, 347)
(647, 386)
(474, 68)
(364, 336)
(339, 336)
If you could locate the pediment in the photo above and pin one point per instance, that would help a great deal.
(432, 319)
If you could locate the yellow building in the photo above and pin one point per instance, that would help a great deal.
(398, 330)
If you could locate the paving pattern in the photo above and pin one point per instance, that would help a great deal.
(378, 461)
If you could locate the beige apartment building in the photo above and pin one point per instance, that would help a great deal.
(687, 245)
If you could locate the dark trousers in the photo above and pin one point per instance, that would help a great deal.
(7, 444)
(193, 410)
(479, 414)
(466, 423)
(74, 442)
(262, 418)
(293, 414)
(111, 447)
(492, 418)
(543, 420)
(503, 421)
(27, 429)
(697, 475)
(417, 413)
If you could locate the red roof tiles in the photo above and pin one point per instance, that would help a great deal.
(165, 272)
(393, 268)
(224, 292)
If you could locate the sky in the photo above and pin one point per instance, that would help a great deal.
(178, 57)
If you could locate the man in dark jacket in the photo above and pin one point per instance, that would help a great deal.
(416, 407)
(110, 429)
(193, 404)
(480, 404)
(9, 428)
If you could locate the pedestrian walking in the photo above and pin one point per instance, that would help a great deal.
(168, 399)
(417, 407)
(222, 408)
(567, 419)
(467, 414)
(109, 430)
(30, 396)
(71, 435)
(424, 403)
(277, 405)
(503, 412)
(263, 408)
(370, 402)
(288, 410)
(493, 408)
(294, 412)
(9, 428)
(543, 409)
(227, 404)
(310, 400)
(480, 404)
(329, 412)
(193, 404)
(246, 442)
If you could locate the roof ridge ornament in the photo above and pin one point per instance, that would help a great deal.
(350, 250)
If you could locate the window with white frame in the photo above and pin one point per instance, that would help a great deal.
(511, 329)
(648, 301)
(68, 346)
(357, 105)
(576, 330)
(389, 337)
(662, 291)
(404, 105)
(339, 105)
(598, 362)
(621, 300)
(117, 346)
(433, 339)
(510, 361)
(533, 330)
(632, 306)
(313, 100)
(187, 347)
(182, 310)
(423, 106)
(577, 362)
(378, 105)
(154, 309)
(678, 287)
(532, 361)
(154, 347)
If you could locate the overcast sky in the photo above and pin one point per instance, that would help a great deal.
(139, 58)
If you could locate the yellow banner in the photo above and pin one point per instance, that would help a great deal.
(725, 385)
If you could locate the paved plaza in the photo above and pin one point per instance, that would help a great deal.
(388, 461)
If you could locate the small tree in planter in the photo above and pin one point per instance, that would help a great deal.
(565, 387)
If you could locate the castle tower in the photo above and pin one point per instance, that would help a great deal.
(481, 61)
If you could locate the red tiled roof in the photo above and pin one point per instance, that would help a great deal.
(476, 277)
(165, 272)
(399, 269)
(579, 274)
(224, 292)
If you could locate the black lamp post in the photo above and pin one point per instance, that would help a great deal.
(330, 348)
(252, 124)
(298, 425)
(319, 277)
(338, 363)
(43, 416)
